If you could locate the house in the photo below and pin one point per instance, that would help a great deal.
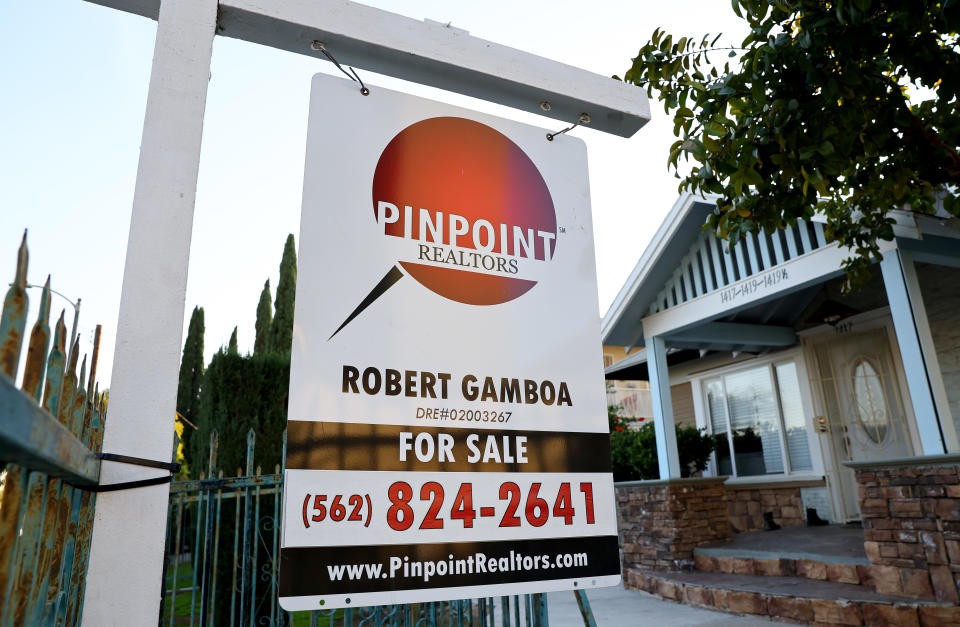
(815, 395)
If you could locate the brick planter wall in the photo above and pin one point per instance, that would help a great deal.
(911, 525)
(661, 522)
(747, 505)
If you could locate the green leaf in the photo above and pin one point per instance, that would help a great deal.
(752, 177)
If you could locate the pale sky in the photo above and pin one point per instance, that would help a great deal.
(73, 86)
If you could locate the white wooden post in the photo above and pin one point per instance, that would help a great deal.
(927, 393)
(126, 556)
(667, 456)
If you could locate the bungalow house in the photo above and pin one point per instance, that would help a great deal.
(821, 400)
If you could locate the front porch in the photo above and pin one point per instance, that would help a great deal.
(675, 546)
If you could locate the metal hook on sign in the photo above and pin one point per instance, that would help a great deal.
(583, 119)
(318, 45)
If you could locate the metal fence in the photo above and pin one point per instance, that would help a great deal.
(50, 433)
(223, 538)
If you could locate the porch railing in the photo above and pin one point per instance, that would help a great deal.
(50, 432)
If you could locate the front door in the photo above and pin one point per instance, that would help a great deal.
(862, 406)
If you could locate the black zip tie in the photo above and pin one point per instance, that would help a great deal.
(583, 119)
(172, 467)
(126, 485)
(317, 45)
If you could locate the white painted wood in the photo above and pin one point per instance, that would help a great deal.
(695, 268)
(677, 287)
(690, 288)
(931, 362)
(663, 422)
(764, 250)
(126, 555)
(777, 247)
(791, 241)
(428, 53)
(818, 266)
(728, 262)
(821, 237)
(717, 257)
(742, 271)
(706, 260)
(752, 253)
(804, 236)
(916, 364)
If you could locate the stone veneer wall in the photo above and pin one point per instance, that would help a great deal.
(911, 525)
(747, 505)
(661, 522)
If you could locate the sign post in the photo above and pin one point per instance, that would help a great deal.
(447, 432)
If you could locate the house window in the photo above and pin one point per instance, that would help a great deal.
(607, 360)
(758, 419)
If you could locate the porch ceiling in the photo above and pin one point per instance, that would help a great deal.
(752, 331)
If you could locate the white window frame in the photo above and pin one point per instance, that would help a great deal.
(771, 361)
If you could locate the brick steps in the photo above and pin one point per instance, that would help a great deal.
(793, 599)
(784, 564)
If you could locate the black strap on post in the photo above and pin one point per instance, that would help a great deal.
(172, 467)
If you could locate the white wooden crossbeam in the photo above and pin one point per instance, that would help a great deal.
(430, 54)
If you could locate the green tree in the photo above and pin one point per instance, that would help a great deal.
(844, 107)
(281, 331)
(190, 382)
(232, 346)
(264, 319)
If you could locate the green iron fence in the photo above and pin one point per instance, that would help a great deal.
(49, 436)
(223, 539)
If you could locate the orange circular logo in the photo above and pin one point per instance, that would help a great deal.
(473, 203)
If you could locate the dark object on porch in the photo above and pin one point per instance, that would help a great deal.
(813, 519)
(768, 522)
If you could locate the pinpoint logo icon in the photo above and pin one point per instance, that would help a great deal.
(473, 208)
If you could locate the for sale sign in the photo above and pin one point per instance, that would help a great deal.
(447, 431)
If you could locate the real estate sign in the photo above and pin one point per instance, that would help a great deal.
(447, 432)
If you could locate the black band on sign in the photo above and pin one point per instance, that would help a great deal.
(313, 571)
(353, 446)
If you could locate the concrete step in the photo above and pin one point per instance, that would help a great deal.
(793, 599)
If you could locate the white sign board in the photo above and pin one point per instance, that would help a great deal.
(447, 432)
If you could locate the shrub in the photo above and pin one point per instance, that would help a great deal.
(633, 452)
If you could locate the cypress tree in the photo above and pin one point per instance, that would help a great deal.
(281, 331)
(191, 376)
(264, 319)
(232, 347)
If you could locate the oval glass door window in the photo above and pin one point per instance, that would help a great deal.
(870, 400)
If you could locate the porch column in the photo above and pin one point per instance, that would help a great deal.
(126, 554)
(937, 436)
(667, 456)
